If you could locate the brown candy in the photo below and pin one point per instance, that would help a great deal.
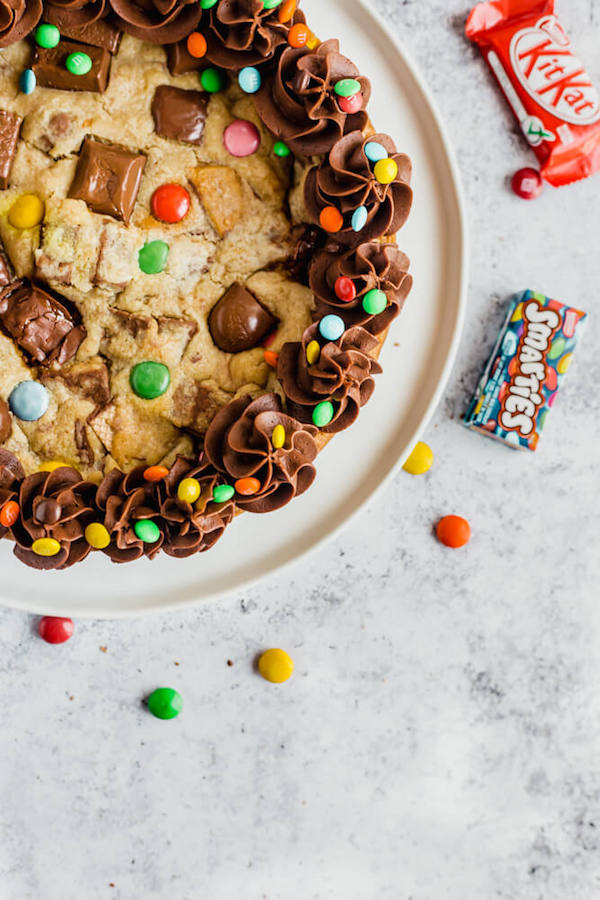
(10, 125)
(238, 321)
(49, 65)
(108, 178)
(42, 326)
(100, 33)
(179, 115)
(5, 421)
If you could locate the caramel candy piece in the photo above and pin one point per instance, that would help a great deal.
(42, 327)
(179, 115)
(100, 33)
(238, 321)
(108, 178)
(49, 65)
(5, 421)
(10, 125)
(221, 195)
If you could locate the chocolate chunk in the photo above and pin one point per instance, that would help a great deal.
(180, 60)
(84, 449)
(5, 421)
(108, 178)
(238, 321)
(5, 271)
(49, 65)
(88, 379)
(308, 240)
(10, 125)
(100, 33)
(43, 327)
(178, 114)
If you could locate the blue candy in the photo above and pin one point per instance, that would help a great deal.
(249, 79)
(27, 81)
(374, 151)
(359, 218)
(29, 401)
(331, 327)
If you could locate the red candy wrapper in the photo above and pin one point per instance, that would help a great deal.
(547, 86)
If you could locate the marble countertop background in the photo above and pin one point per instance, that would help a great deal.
(441, 735)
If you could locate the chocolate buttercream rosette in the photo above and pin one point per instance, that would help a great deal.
(370, 266)
(299, 105)
(55, 506)
(157, 21)
(74, 13)
(242, 33)
(123, 500)
(346, 181)
(11, 476)
(239, 444)
(343, 374)
(17, 19)
(191, 528)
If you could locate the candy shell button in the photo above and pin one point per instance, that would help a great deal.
(359, 218)
(29, 401)
(78, 63)
(527, 183)
(345, 289)
(278, 437)
(374, 302)
(287, 10)
(385, 170)
(97, 536)
(247, 486)
(147, 531)
(170, 203)
(165, 703)
(323, 413)
(280, 149)
(149, 379)
(453, 531)
(9, 514)
(207, 4)
(222, 493)
(249, 79)
(346, 87)
(188, 490)
(55, 629)
(241, 138)
(298, 35)
(331, 219)
(152, 258)
(271, 358)
(26, 212)
(331, 327)
(420, 460)
(46, 547)
(271, 4)
(47, 36)
(196, 45)
(374, 151)
(351, 105)
(155, 473)
(275, 666)
(52, 465)
(211, 79)
(313, 352)
(27, 81)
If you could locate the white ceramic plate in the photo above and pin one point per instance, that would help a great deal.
(417, 359)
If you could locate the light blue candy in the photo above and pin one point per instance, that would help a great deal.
(331, 327)
(249, 79)
(359, 218)
(29, 401)
(510, 343)
(27, 81)
(374, 151)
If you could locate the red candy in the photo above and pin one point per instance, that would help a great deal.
(55, 629)
(352, 104)
(344, 288)
(170, 203)
(527, 183)
(453, 531)
(546, 85)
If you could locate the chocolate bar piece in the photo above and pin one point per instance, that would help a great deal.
(42, 326)
(180, 60)
(100, 33)
(108, 178)
(526, 368)
(49, 65)
(10, 125)
(178, 114)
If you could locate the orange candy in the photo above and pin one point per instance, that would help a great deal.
(196, 44)
(298, 35)
(9, 514)
(247, 486)
(331, 219)
(287, 10)
(271, 358)
(453, 531)
(155, 473)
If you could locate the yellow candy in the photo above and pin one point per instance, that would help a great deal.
(188, 490)
(278, 437)
(312, 41)
(275, 665)
(97, 536)
(45, 547)
(420, 460)
(313, 352)
(564, 363)
(52, 465)
(26, 212)
(518, 313)
(385, 170)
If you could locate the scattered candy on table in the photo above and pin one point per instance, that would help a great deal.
(165, 703)
(275, 666)
(241, 138)
(26, 212)
(29, 401)
(420, 460)
(170, 203)
(453, 531)
(527, 183)
(152, 257)
(249, 79)
(55, 629)
(149, 379)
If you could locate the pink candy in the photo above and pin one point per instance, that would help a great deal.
(352, 104)
(241, 138)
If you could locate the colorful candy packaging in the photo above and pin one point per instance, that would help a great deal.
(546, 85)
(525, 371)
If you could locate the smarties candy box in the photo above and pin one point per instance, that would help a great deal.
(526, 368)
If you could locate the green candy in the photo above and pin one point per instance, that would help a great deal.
(47, 36)
(347, 87)
(165, 703)
(374, 302)
(323, 413)
(149, 379)
(222, 493)
(212, 80)
(147, 531)
(208, 4)
(557, 348)
(152, 258)
(281, 149)
(78, 63)
(271, 4)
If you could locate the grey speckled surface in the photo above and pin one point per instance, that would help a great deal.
(441, 736)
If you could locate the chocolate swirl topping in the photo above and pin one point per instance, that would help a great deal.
(75, 13)
(238, 444)
(191, 529)
(299, 104)
(11, 474)
(343, 374)
(17, 19)
(157, 21)
(244, 33)
(58, 505)
(371, 266)
(346, 181)
(124, 500)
